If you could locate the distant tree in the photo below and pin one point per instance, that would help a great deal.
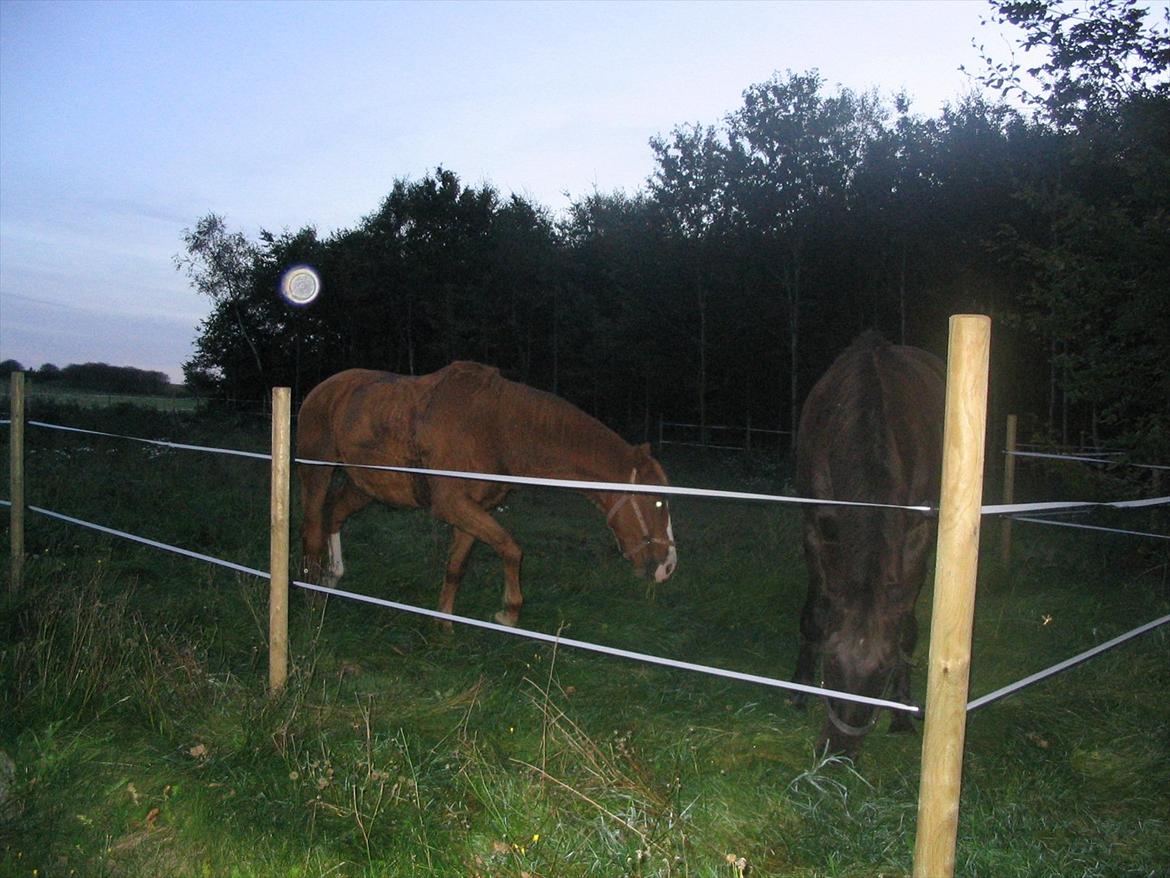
(794, 153)
(220, 265)
(7, 367)
(202, 382)
(523, 264)
(48, 372)
(1090, 58)
(104, 378)
(689, 187)
(1097, 272)
(606, 327)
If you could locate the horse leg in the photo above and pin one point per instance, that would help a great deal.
(461, 545)
(908, 637)
(464, 515)
(343, 502)
(811, 635)
(315, 481)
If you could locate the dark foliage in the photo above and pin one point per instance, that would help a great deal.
(97, 377)
(762, 245)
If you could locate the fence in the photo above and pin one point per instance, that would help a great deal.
(1015, 451)
(699, 435)
(960, 513)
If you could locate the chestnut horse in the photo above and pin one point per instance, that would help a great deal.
(464, 417)
(871, 431)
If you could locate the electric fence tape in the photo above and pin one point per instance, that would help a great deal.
(493, 626)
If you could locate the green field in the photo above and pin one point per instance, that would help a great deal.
(143, 743)
(92, 399)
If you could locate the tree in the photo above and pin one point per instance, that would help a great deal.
(1096, 262)
(610, 320)
(689, 187)
(220, 265)
(793, 156)
(1093, 58)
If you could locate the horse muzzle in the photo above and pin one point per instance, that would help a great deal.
(666, 569)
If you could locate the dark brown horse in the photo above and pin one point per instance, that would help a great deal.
(871, 431)
(464, 417)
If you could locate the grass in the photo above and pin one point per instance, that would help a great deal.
(134, 707)
(87, 399)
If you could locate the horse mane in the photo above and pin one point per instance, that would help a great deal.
(549, 421)
(541, 422)
(863, 470)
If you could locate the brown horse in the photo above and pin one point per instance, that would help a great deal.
(464, 417)
(871, 431)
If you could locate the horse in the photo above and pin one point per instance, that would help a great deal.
(464, 417)
(871, 432)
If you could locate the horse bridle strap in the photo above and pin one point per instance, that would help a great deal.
(861, 731)
(647, 539)
(844, 727)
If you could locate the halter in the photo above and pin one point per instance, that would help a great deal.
(847, 729)
(861, 731)
(647, 539)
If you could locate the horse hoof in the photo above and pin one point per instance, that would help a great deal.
(503, 617)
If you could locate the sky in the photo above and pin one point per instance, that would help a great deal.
(121, 124)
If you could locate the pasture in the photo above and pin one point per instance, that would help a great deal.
(143, 742)
(93, 399)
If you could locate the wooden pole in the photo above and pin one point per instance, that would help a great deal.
(278, 542)
(16, 481)
(1009, 491)
(954, 597)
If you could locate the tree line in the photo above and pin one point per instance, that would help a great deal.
(95, 377)
(762, 243)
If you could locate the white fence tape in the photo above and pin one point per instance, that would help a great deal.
(154, 544)
(619, 653)
(1104, 459)
(624, 487)
(159, 442)
(1079, 526)
(614, 651)
(1066, 664)
(493, 626)
(1059, 506)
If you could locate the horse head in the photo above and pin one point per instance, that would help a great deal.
(869, 565)
(861, 657)
(641, 522)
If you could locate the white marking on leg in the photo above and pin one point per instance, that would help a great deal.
(336, 565)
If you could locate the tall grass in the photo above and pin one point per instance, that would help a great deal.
(135, 711)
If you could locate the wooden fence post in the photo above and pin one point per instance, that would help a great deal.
(954, 597)
(278, 542)
(16, 481)
(1009, 491)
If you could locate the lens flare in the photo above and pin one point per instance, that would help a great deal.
(300, 285)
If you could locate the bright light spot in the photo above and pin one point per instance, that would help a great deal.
(300, 285)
